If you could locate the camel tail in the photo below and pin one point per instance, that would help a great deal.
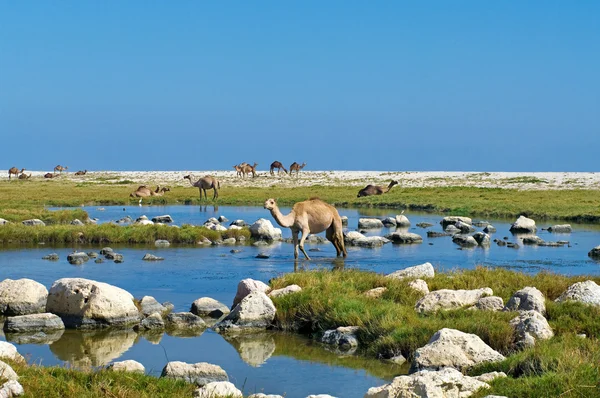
(219, 184)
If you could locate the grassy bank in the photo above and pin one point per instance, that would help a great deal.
(390, 326)
(573, 205)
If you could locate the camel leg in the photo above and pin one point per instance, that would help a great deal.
(305, 233)
(337, 232)
(295, 241)
(333, 239)
(216, 195)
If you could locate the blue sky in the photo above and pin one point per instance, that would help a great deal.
(386, 85)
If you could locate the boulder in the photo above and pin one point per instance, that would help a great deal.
(465, 240)
(117, 257)
(229, 241)
(402, 221)
(526, 299)
(34, 222)
(153, 321)
(8, 350)
(482, 239)
(456, 349)
(587, 292)
(404, 238)
(416, 272)
(369, 223)
(530, 326)
(184, 320)
(206, 306)
(149, 305)
(4, 222)
(105, 250)
(424, 224)
(239, 223)
(255, 311)
(11, 388)
(489, 229)
(490, 303)
(143, 220)
(523, 225)
(38, 337)
(7, 372)
(343, 337)
(445, 383)
(247, 286)
(51, 257)
(85, 303)
(151, 257)
(490, 376)
(435, 234)
(217, 227)
(595, 252)
(162, 243)
(351, 236)
(451, 229)
(127, 366)
(162, 219)
(263, 229)
(464, 227)
(22, 297)
(451, 220)
(200, 373)
(33, 323)
(376, 292)
(370, 241)
(561, 229)
(124, 220)
(77, 222)
(533, 241)
(447, 299)
(218, 389)
(389, 222)
(77, 258)
(344, 220)
(419, 285)
(285, 291)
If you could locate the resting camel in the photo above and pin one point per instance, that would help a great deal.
(81, 173)
(296, 167)
(204, 183)
(375, 189)
(24, 176)
(311, 216)
(247, 169)
(277, 165)
(142, 192)
(60, 168)
(15, 171)
(160, 191)
(49, 175)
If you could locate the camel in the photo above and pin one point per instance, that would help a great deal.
(81, 173)
(277, 165)
(375, 189)
(142, 192)
(15, 171)
(238, 170)
(204, 183)
(160, 191)
(311, 216)
(247, 169)
(49, 175)
(296, 167)
(24, 176)
(60, 168)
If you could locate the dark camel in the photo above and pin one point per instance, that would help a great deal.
(81, 173)
(375, 189)
(24, 176)
(277, 165)
(49, 175)
(204, 183)
(296, 167)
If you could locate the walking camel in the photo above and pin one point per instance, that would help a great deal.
(247, 169)
(311, 216)
(60, 168)
(204, 183)
(296, 167)
(277, 165)
(376, 189)
(15, 171)
(238, 169)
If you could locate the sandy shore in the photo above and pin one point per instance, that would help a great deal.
(513, 180)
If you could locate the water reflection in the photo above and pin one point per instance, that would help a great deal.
(35, 338)
(254, 348)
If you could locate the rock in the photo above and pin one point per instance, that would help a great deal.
(595, 252)
(263, 229)
(398, 359)
(229, 241)
(261, 395)
(445, 383)
(51, 257)
(92, 254)
(206, 306)
(451, 220)
(351, 236)
(247, 286)
(85, 303)
(561, 229)
(523, 225)
(419, 285)
(480, 223)
(416, 272)
(239, 223)
(370, 241)
(149, 305)
(4, 222)
(222, 219)
(127, 366)
(10, 389)
(435, 234)
(33, 323)
(490, 376)
(151, 257)
(184, 320)
(151, 322)
(491, 303)
(200, 373)
(217, 227)
(376, 292)
(451, 229)
(464, 227)
(99, 260)
(254, 348)
(343, 337)
(263, 255)
(489, 229)
(77, 222)
(512, 245)
(113, 256)
(451, 347)
(285, 291)
(7, 372)
(162, 243)
(464, 241)
(104, 251)
(402, 221)
(526, 299)
(587, 292)
(255, 311)
(162, 219)
(9, 351)
(424, 225)
(218, 389)
(530, 326)
(404, 238)
(124, 220)
(533, 240)
(234, 227)
(22, 297)
(501, 243)
(451, 299)
(389, 222)
(34, 222)
(369, 223)
(77, 258)
(482, 239)
(344, 220)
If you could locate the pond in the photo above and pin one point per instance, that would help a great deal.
(273, 362)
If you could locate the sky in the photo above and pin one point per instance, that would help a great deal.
(340, 85)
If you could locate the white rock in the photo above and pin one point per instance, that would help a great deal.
(247, 286)
(255, 311)
(369, 223)
(8, 350)
(376, 292)
(419, 285)
(490, 376)
(343, 337)
(528, 298)
(451, 299)
(417, 272)
(10, 389)
(451, 220)
(524, 225)
(530, 326)
(206, 306)
(285, 291)
(200, 373)
(402, 221)
(263, 229)
(261, 395)
(7, 372)
(22, 297)
(351, 236)
(218, 389)
(451, 347)
(587, 292)
(128, 366)
(491, 303)
(33, 323)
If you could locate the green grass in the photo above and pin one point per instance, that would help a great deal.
(525, 180)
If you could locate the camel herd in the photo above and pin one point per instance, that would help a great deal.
(22, 176)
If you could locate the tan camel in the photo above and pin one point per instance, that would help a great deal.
(238, 170)
(247, 169)
(277, 165)
(311, 216)
(296, 167)
(375, 189)
(60, 168)
(160, 191)
(24, 176)
(81, 173)
(49, 175)
(142, 192)
(204, 183)
(15, 171)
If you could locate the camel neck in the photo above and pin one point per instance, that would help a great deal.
(284, 221)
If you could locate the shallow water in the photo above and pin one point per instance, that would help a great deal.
(274, 363)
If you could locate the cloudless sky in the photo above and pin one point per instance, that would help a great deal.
(340, 85)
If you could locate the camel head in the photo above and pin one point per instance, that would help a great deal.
(394, 182)
(270, 204)
(165, 189)
(188, 177)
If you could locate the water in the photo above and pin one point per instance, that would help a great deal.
(273, 363)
